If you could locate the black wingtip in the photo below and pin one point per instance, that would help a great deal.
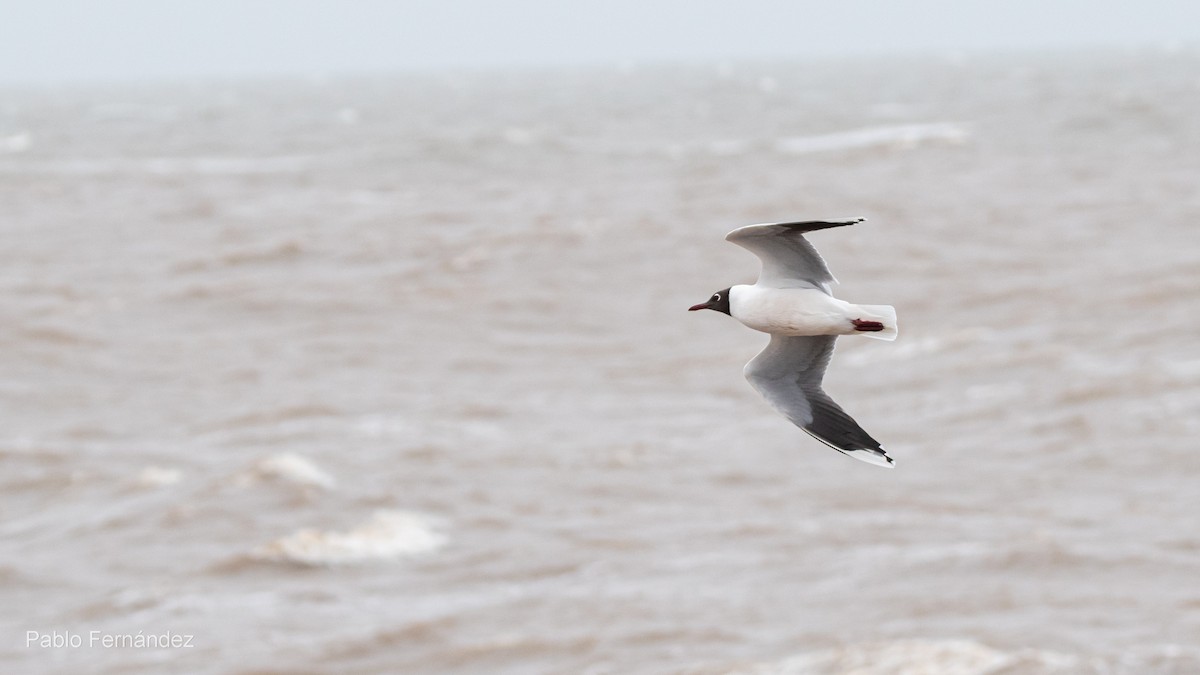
(877, 456)
(813, 225)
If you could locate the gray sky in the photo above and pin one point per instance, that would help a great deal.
(88, 40)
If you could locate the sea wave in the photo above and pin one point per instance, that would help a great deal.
(898, 137)
(970, 657)
(289, 468)
(886, 137)
(386, 535)
(160, 166)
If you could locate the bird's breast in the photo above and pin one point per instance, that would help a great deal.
(789, 311)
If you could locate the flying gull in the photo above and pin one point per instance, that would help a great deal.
(792, 302)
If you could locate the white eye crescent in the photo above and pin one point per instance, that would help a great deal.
(717, 297)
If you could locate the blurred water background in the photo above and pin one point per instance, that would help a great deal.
(394, 374)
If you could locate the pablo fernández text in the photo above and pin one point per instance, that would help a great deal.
(66, 639)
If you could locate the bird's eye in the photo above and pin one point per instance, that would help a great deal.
(717, 297)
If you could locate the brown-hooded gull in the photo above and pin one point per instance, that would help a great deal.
(792, 302)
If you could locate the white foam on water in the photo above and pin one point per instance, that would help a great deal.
(382, 426)
(387, 535)
(156, 476)
(519, 136)
(160, 166)
(900, 137)
(918, 657)
(16, 143)
(1183, 369)
(728, 148)
(288, 467)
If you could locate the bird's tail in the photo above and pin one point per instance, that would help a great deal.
(884, 314)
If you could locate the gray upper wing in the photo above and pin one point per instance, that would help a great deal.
(788, 374)
(788, 260)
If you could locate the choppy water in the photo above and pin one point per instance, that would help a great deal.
(395, 374)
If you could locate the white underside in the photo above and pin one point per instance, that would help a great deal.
(805, 311)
